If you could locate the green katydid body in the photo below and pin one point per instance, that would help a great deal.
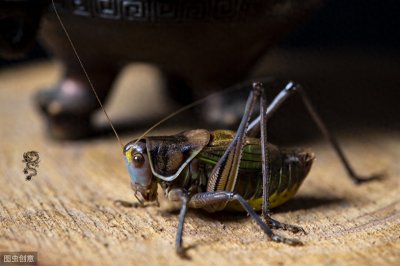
(185, 161)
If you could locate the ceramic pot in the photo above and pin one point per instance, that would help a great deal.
(200, 45)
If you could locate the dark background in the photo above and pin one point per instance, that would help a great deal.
(358, 92)
(359, 23)
(368, 24)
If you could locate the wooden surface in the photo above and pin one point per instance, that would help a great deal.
(67, 214)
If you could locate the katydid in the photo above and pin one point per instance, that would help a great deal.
(218, 170)
(222, 169)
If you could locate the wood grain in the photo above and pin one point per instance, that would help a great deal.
(67, 212)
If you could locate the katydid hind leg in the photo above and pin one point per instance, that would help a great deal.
(224, 174)
(206, 199)
(264, 155)
(265, 172)
(274, 224)
(292, 88)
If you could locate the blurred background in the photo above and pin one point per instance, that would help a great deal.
(347, 55)
(359, 24)
(351, 51)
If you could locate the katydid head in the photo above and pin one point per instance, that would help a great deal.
(142, 181)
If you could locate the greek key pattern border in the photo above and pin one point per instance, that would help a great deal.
(161, 10)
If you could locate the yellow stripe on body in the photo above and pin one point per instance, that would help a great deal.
(275, 200)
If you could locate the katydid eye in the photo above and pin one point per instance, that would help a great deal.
(138, 160)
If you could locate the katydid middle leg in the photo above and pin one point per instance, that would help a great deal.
(206, 199)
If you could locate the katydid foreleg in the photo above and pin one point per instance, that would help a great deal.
(182, 215)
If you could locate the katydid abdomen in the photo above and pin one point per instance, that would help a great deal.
(288, 169)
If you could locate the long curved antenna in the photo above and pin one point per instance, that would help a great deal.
(235, 87)
(184, 108)
(86, 74)
(180, 110)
